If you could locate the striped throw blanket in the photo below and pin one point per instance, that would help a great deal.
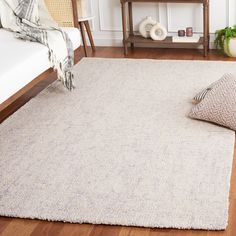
(30, 20)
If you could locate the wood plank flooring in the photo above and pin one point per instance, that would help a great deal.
(26, 227)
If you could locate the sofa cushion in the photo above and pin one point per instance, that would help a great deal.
(74, 35)
(22, 61)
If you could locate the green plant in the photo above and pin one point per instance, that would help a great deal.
(223, 37)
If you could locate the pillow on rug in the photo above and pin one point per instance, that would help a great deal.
(201, 95)
(219, 103)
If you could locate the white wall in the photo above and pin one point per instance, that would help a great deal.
(107, 28)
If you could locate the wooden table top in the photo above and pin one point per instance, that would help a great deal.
(169, 1)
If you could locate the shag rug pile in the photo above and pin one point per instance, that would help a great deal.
(119, 149)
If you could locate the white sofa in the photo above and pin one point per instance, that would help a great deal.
(22, 61)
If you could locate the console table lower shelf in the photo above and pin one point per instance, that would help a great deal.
(167, 42)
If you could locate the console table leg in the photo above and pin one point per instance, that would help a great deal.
(124, 28)
(205, 28)
(208, 26)
(131, 28)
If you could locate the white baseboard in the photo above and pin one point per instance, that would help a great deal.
(108, 42)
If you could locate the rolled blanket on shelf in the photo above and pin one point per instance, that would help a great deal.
(158, 32)
(30, 20)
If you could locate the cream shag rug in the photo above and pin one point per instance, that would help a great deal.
(119, 149)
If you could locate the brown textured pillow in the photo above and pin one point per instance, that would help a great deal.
(219, 104)
(201, 95)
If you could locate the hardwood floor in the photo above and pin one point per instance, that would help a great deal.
(25, 227)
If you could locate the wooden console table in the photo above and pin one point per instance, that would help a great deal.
(130, 38)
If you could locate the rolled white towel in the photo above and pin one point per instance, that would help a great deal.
(158, 32)
(145, 26)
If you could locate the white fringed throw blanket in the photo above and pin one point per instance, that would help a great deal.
(30, 20)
